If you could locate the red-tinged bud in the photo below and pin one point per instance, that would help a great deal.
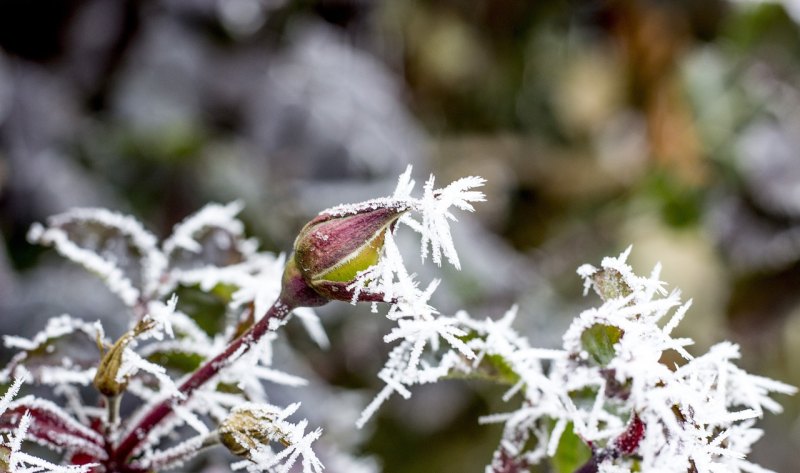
(331, 250)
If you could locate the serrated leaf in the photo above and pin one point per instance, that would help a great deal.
(66, 350)
(116, 247)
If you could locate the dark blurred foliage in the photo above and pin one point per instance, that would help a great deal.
(672, 125)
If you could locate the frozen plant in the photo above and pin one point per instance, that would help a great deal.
(197, 385)
(607, 401)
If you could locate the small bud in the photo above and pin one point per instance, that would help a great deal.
(105, 380)
(247, 428)
(331, 250)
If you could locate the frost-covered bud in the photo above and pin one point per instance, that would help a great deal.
(332, 249)
(245, 429)
(106, 379)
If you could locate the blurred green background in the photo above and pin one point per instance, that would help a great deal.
(670, 125)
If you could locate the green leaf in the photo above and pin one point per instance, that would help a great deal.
(571, 452)
(178, 361)
(598, 340)
(207, 309)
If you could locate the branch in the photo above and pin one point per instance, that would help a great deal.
(238, 347)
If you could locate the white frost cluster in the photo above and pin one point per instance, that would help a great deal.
(12, 459)
(636, 412)
(278, 429)
(696, 413)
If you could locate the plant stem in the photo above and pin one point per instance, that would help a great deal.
(112, 413)
(238, 347)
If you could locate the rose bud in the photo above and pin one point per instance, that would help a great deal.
(333, 248)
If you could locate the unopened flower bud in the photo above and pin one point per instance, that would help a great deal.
(105, 380)
(332, 249)
(247, 428)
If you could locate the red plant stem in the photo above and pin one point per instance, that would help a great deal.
(237, 347)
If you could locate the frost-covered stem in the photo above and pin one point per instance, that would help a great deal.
(236, 348)
(176, 456)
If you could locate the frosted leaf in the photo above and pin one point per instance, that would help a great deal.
(52, 426)
(212, 236)
(114, 246)
(21, 462)
(257, 282)
(64, 352)
(45, 423)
